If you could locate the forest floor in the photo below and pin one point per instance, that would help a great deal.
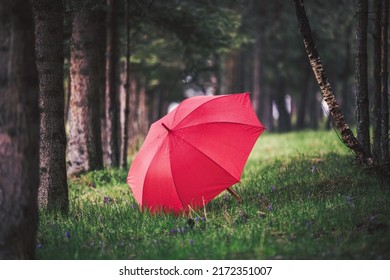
(304, 197)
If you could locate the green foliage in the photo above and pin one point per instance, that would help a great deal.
(303, 198)
(173, 39)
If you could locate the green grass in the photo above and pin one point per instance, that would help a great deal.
(289, 211)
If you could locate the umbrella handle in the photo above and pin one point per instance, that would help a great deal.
(236, 195)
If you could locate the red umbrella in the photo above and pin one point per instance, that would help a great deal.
(195, 152)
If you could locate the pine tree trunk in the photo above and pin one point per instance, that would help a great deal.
(143, 119)
(126, 99)
(112, 94)
(266, 109)
(84, 151)
(19, 132)
(377, 109)
(53, 188)
(133, 109)
(362, 106)
(216, 76)
(314, 106)
(384, 83)
(284, 121)
(347, 135)
(230, 67)
(256, 76)
(346, 104)
(303, 104)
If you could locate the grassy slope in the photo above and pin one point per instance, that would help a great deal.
(303, 199)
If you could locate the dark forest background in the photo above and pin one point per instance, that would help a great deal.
(81, 82)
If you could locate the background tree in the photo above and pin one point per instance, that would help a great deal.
(53, 188)
(377, 101)
(84, 151)
(347, 135)
(125, 97)
(384, 82)
(112, 133)
(19, 132)
(362, 102)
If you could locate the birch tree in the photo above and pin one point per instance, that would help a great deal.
(336, 113)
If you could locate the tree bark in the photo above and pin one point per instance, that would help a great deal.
(377, 109)
(19, 132)
(346, 104)
(284, 121)
(256, 76)
(266, 109)
(347, 135)
(230, 66)
(84, 151)
(133, 108)
(384, 82)
(126, 99)
(112, 95)
(303, 104)
(143, 119)
(362, 106)
(53, 187)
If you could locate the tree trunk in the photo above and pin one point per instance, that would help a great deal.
(67, 97)
(84, 149)
(19, 132)
(53, 187)
(133, 109)
(266, 109)
(216, 76)
(384, 82)
(256, 76)
(314, 107)
(284, 121)
(377, 109)
(143, 120)
(346, 104)
(347, 135)
(230, 67)
(362, 106)
(112, 94)
(126, 99)
(301, 116)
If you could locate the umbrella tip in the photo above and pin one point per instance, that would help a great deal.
(164, 125)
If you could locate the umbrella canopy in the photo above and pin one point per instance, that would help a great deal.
(195, 152)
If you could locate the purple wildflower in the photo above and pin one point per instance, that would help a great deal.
(134, 205)
(67, 234)
(196, 219)
(106, 200)
(347, 199)
(173, 231)
(183, 229)
(314, 169)
(270, 207)
(273, 189)
(191, 242)
(203, 219)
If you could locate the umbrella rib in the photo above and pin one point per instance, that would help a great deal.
(173, 177)
(143, 189)
(202, 104)
(225, 122)
(146, 174)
